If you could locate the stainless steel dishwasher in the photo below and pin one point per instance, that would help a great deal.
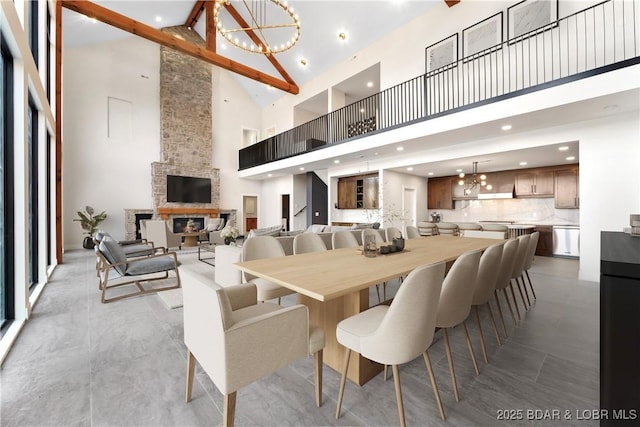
(566, 241)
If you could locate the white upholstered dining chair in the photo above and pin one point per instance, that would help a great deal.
(397, 333)
(412, 232)
(392, 233)
(343, 239)
(485, 286)
(260, 247)
(308, 242)
(504, 278)
(531, 251)
(455, 305)
(238, 341)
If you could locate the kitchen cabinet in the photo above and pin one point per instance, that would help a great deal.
(534, 184)
(501, 183)
(566, 189)
(358, 192)
(439, 194)
(545, 241)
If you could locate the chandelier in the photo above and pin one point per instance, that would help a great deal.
(474, 180)
(271, 27)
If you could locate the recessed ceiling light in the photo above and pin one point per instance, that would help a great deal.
(301, 168)
(430, 174)
(376, 153)
(94, 20)
(399, 148)
(563, 148)
(506, 127)
(458, 170)
(303, 62)
(409, 168)
(571, 158)
(523, 163)
(336, 161)
(158, 18)
(369, 84)
(342, 36)
(269, 175)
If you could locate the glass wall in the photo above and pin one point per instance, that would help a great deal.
(32, 152)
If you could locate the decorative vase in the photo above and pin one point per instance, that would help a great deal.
(227, 240)
(87, 243)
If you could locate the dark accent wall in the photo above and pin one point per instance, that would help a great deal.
(317, 200)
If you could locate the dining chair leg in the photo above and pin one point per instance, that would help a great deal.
(482, 345)
(436, 392)
(451, 368)
(343, 380)
(504, 326)
(514, 301)
(378, 292)
(493, 323)
(531, 285)
(317, 368)
(191, 367)
(524, 303)
(385, 372)
(506, 297)
(229, 409)
(524, 286)
(471, 352)
(384, 291)
(396, 382)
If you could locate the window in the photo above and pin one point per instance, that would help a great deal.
(32, 152)
(47, 55)
(6, 189)
(33, 29)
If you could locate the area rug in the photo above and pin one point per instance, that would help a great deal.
(172, 298)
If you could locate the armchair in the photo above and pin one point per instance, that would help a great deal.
(113, 260)
(159, 233)
(238, 341)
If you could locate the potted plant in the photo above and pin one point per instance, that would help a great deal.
(89, 223)
(191, 226)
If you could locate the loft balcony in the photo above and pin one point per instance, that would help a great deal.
(600, 39)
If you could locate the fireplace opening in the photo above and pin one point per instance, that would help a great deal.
(180, 224)
(141, 217)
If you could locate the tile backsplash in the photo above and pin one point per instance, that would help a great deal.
(539, 211)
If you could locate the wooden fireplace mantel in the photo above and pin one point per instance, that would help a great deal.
(165, 212)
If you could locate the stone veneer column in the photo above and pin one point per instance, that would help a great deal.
(185, 105)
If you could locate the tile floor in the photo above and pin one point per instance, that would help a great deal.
(82, 363)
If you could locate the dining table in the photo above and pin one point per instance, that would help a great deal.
(334, 284)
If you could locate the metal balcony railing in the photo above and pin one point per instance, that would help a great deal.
(599, 39)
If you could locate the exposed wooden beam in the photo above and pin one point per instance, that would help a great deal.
(451, 3)
(197, 10)
(211, 27)
(58, 130)
(252, 35)
(145, 31)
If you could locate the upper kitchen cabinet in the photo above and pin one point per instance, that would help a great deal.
(501, 186)
(439, 193)
(358, 192)
(566, 189)
(535, 184)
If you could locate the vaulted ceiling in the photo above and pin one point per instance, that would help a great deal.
(363, 22)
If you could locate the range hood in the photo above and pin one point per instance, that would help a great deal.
(487, 196)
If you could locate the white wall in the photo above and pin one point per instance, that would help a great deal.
(232, 110)
(109, 173)
(392, 187)
(609, 184)
(271, 203)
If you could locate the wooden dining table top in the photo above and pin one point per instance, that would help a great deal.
(330, 274)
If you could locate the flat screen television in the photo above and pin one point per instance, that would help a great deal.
(188, 189)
